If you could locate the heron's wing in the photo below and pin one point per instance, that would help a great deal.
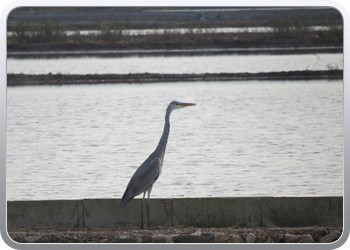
(144, 176)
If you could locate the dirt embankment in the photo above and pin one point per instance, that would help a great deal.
(203, 43)
(61, 79)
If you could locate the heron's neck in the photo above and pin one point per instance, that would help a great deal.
(164, 139)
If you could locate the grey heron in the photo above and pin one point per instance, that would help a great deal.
(146, 175)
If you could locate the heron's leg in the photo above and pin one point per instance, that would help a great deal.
(149, 225)
(142, 209)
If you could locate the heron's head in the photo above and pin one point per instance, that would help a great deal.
(176, 105)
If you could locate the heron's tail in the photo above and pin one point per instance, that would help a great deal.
(125, 200)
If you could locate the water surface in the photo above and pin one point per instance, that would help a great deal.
(176, 64)
(281, 138)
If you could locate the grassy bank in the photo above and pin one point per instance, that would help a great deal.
(289, 30)
(111, 40)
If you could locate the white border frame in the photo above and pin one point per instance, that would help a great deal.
(8, 5)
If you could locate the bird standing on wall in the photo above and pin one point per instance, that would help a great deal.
(147, 174)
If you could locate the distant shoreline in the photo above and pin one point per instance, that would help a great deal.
(42, 31)
(66, 79)
(176, 52)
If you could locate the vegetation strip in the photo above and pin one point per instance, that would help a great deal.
(60, 79)
(47, 28)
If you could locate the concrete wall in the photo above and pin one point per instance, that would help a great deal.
(197, 212)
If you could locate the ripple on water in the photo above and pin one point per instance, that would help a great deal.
(241, 139)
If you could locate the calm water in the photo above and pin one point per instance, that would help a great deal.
(280, 138)
(176, 64)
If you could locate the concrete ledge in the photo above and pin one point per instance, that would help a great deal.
(60, 213)
(216, 212)
(301, 211)
(105, 213)
(197, 212)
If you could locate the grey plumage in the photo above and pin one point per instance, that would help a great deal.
(146, 175)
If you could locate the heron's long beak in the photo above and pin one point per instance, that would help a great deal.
(188, 104)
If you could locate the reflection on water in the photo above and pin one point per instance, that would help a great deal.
(241, 139)
(176, 64)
